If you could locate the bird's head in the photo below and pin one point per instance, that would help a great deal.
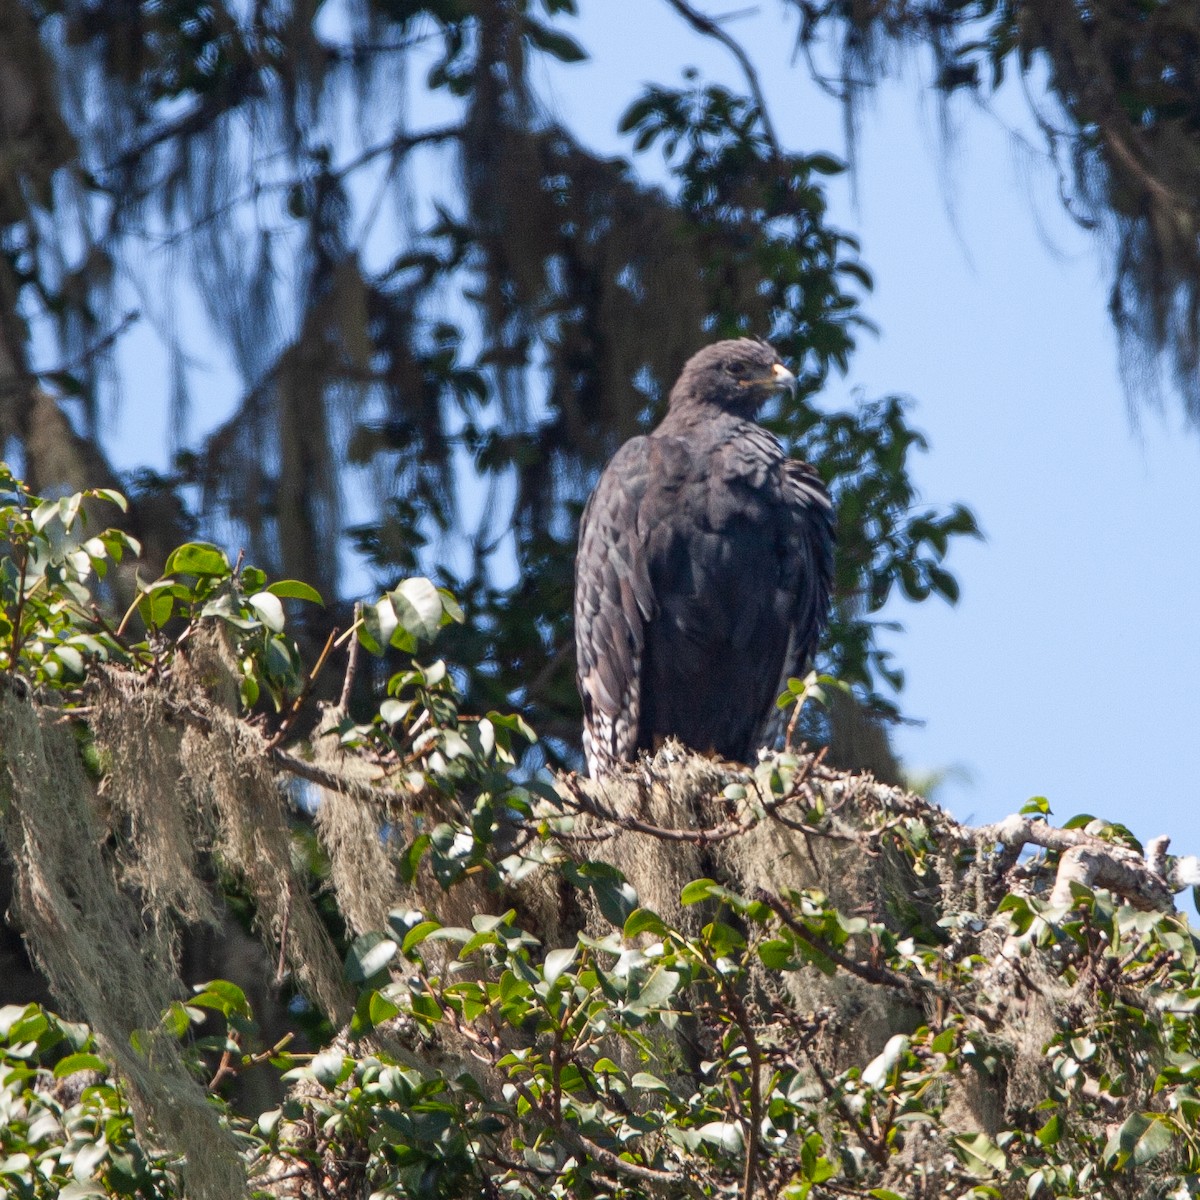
(737, 375)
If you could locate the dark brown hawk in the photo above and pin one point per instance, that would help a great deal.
(704, 568)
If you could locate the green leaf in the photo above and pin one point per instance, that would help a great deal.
(516, 723)
(658, 989)
(79, 1062)
(451, 607)
(418, 608)
(269, 609)
(379, 623)
(369, 955)
(88, 1159)
(392, 712)
(723, 940)
(197, 558)
(877, 1072)
(777, 954)
(249, 691)
(1049, 1133)
(176, 1019)
(825, 164)
(944, 584)
(944, 1042)
(642, 920)
(44, 513)
(382, 1009)
(699, 889)
(70, 658)
(280, 661)
(117, 541)
(410, 860)
(330, 1068)
(648, 1083)
(980, 1155)
(113, 497)
(614, 895)
(1083, 1048)
(557, 961)
(557, 45)
(371, 1011)
(416, 935)
(1142, 1137)
(729, 1135)
(157, 603)
(293, 589)
(223, 996)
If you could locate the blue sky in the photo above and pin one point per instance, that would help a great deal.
(1069, 667)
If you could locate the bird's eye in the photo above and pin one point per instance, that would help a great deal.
(737, 368)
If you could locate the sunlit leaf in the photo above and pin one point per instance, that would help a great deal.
(293, 589)
(197, 558)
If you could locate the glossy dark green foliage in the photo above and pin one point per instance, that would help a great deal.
(489, 1051)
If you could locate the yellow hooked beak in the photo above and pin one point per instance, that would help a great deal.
(783, 378)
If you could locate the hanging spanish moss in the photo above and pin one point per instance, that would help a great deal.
(1121, 124)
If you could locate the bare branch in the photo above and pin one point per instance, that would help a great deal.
(1087, 859)
(351, 663)
(709, 27)
(908, 983)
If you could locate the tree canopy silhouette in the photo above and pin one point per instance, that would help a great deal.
(444, 311)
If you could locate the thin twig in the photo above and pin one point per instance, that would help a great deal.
(877, 1152)
(396, 146)
(791, 725)
(284, 922)
(707, 26)
(225, 1068)
(351, 663)
(97, 348)
(865, 971)
(336, 782)
(754, 1125)
(283, 1177)
(134, 652)
(716, 833)
(306, 691)
(623, 1166)
(349, 633)
(550, 668)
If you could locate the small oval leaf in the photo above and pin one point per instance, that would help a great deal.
(294, 589)
(197, 558)
(270, 610)
(557, 961)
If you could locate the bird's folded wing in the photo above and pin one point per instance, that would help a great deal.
(808, 500)
(613, 602)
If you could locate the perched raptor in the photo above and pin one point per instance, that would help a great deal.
(704, 567)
